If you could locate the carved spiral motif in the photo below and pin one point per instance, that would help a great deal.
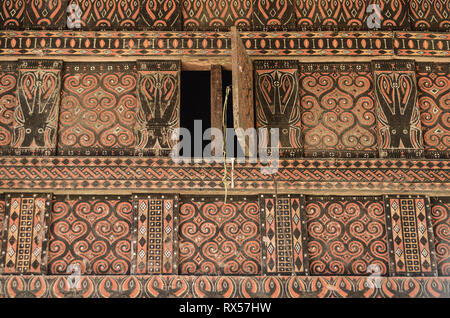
(93, 233)
(346, 235)
(98, 110)
(219, 239)
(338, 110)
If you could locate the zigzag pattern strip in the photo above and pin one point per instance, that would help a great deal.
(160, 173)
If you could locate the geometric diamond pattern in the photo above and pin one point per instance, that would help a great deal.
(26, 215)
(155, 241)
(283, 234)
(410, 238)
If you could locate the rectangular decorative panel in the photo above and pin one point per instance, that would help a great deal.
(430, 15)
(440, 216)
(98, 109)
(218, 238)
(8, 103)
(433, 84)
(273, 15)
(161, 14)
(216, 14)
(346, 235)
(410, 236)
(12, 13)
(331, 14)
(159, 105)
(24, 245)
(36, 115)
(398, 115)
(46, 14)
(92, 233)
(277, 102)
(338, 110)
(156, 235)
(284, 236)
(106, 14)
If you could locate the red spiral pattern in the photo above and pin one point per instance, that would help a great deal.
(98, 109)
(440, 215)
(434, 103)
(346, 235)
(94, 233)
(338, 109)
(218, 238)
(8, 102)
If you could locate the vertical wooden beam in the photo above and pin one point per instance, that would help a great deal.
(242, 88)
(216, 96)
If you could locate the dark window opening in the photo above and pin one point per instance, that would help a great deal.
(195, 105)
(227, 79)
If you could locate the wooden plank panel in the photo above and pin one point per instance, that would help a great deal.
(243, 111)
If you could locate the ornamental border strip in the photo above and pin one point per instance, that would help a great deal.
(223, 286)
(162, 174)
(277, 43)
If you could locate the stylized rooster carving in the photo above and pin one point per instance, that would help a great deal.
(158, 94)
(397, 95)
(277, 97)
(37, 112)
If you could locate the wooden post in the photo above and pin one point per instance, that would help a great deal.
(243, 112)
(216, 96)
